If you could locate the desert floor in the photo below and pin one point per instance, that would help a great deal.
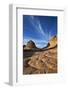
(40, 62)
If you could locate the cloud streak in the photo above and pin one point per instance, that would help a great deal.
(37, 25)
(39, 29)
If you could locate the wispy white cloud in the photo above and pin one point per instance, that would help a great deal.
(41, 29)
(37, 25)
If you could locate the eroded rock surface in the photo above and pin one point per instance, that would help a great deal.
(43, 62)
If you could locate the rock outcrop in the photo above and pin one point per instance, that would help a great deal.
(30, 45)
(44, 61)
(53, 42)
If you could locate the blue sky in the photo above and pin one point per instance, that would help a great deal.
(39, 29)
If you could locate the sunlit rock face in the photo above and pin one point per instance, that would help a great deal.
(53, 41)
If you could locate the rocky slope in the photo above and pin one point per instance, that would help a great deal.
(44, 61)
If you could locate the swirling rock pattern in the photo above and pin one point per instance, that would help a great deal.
(41, 62)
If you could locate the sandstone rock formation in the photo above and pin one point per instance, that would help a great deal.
(53, 42)
(44, 61)
(30, 45)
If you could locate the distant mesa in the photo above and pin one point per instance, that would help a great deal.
(30, 45)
